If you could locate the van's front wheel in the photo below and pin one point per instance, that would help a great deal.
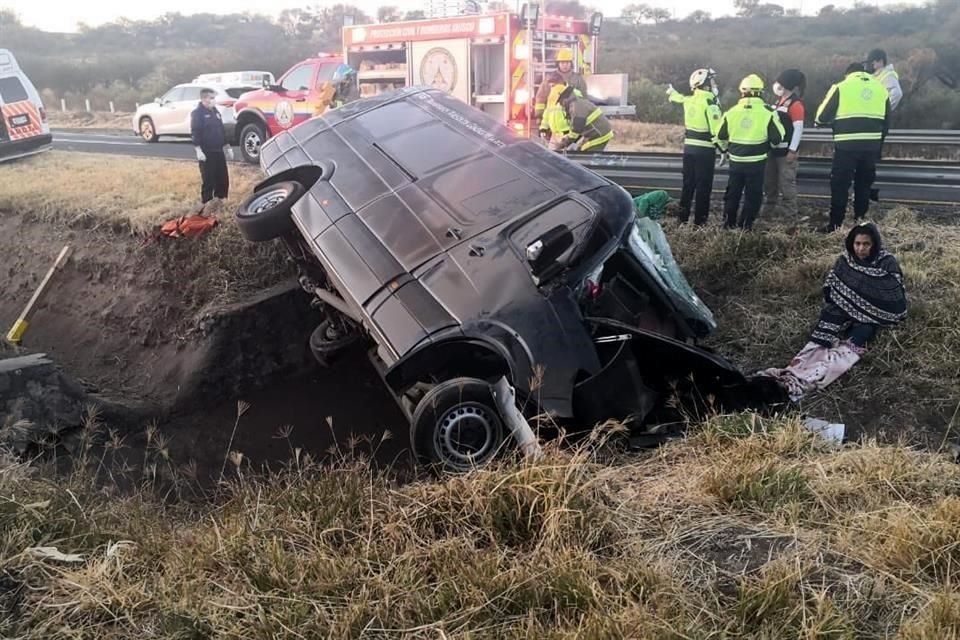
(456, 426)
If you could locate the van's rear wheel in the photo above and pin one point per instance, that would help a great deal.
(147, 131)
(252, 137)
(456, 426)
(265, 215)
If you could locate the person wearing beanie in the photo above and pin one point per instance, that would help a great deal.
(780, 183)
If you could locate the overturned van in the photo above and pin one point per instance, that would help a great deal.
(465, 254)
(23, 120)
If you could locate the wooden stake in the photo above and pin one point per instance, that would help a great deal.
(20, 326)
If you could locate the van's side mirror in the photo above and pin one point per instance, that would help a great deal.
(543, 253)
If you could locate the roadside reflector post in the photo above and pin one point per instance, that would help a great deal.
(20, 326)
(111, 107)
(87, 101)
(63, 104)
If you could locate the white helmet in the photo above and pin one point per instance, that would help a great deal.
(700, 77)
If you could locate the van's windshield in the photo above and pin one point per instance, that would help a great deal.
(11, 90)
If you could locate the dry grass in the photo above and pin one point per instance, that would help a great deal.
(92, 190)
(765, 291)
(117, 203)
(96, 120)
(751, 529)
(646, 136)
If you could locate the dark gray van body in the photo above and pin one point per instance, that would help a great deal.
(421, 210)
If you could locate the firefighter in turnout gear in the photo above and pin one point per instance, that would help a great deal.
(701, 119)
(566, 75)
(589, 129)
(858, 109)
(747, 132)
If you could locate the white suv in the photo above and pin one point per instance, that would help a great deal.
(170, 115)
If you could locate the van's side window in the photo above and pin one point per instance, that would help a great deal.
(11, 90)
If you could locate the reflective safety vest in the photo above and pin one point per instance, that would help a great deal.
(554, 118)
(748, 131)
(701, 119)
(861, 108)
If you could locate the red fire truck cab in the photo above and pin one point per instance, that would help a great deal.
(302, 93)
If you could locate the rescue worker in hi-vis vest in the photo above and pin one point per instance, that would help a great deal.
(567, 76)
(701, 121)
(747, 132)
(553, 121)
(589, 128)
(858, 109)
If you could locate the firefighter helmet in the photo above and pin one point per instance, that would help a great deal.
(751, 84)
(564, 55)
(342, 72)
(700, 77)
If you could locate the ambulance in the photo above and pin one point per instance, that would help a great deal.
(485, 55)
(23, 125)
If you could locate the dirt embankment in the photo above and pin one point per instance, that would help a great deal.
(127, 314)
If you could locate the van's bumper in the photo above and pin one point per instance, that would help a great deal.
(29, 146)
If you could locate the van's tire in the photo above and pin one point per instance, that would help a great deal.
(252, 137)
(457, 427)
(265, 215)
(326, 343)
(147, 130)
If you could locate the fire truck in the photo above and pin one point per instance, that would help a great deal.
(489, 57)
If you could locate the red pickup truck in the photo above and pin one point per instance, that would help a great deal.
(303, 92)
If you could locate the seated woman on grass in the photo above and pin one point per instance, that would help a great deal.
(863, 293)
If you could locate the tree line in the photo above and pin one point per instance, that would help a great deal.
(129, 61)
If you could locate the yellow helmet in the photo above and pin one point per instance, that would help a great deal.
(564, 55)
(751, 84)
(554, 96)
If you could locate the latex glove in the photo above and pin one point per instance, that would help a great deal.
(722, 160)
(670, 90)
(228, 150)
(201, 156)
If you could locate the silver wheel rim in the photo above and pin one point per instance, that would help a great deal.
(267, 200)
(462, 422)
(146, 130)
(251, 144)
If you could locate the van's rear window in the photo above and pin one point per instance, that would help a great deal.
(11, 90)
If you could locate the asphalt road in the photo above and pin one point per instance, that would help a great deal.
(125, 144)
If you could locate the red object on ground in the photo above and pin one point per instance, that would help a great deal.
(188, 226)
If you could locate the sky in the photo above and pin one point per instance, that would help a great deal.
(63, 15)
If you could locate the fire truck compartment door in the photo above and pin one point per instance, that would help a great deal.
(443, 64)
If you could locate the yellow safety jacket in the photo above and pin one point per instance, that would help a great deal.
(701, 120)
(859, 110)
(748, 131)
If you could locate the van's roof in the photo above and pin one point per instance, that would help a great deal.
(8, 63)
(411, 180)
